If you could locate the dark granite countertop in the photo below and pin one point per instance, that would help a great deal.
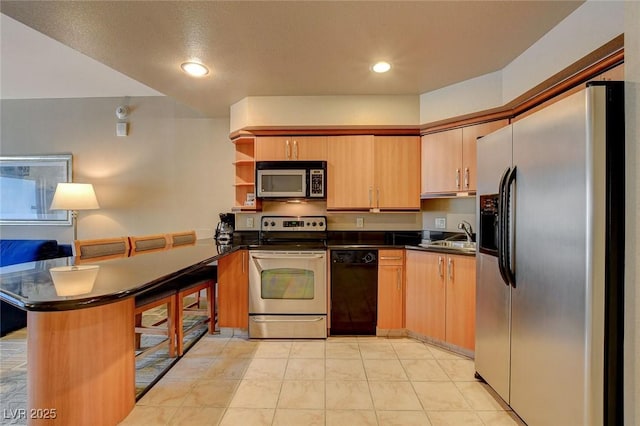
(29, 286)
(441, 250)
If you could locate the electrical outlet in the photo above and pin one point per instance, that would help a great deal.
(359, 222)
(249, 222)
(441, 222)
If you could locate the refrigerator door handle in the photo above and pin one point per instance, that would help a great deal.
(501, 222)
(509, 239)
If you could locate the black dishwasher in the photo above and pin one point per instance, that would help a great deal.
(354, 292)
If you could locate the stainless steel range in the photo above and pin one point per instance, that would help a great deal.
(288, 278)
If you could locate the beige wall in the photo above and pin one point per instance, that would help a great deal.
(173, 172)
(632, 272)
(325, 111)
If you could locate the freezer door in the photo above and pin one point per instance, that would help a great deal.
(493, 303)
(555, 319)
(493, 295)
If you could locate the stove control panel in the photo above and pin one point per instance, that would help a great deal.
(294, 223)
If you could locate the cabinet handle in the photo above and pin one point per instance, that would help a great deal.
(244, 260)
(457, 178)
(450, 268)
(295, 150)
(287, 150)
(440, 273)
(399, 280)
(370, 197)
(378, 197)
(466, 177)
(390, 257)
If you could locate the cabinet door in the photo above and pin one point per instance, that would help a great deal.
(461, 301)
(397, 172)
(390, 289)
(441, 161)
(425, 293)
(282, 148)
(350, 172)
(273, 148)
(310, 148)
(233, 290)
(469, 159)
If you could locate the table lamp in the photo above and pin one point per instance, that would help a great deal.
(74, 197)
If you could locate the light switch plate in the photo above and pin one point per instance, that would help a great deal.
(359, 222)
(122, 129)
(441, 222)
(249, 222)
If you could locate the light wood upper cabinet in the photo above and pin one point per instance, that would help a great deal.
(449, 161)
(349, 172)
(233, 290)
(397, 172)
(281, 148)
(390, 289)
(441, 161)
(440, 297)
(367, 172)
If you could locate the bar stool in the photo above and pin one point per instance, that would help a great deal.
(192, 284)
(101, 249)
(164, 295)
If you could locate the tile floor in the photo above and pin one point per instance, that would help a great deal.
(340, 381)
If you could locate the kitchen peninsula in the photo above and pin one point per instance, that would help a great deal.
(81, 348)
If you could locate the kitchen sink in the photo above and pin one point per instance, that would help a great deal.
(463, 246)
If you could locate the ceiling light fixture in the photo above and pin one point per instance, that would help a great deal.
(194, 69)
(381, 67)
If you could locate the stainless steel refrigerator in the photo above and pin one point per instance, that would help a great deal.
(550, 204)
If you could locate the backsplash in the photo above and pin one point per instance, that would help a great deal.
(452, 210)
(337, 221)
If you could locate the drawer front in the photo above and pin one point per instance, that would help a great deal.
(391, 257)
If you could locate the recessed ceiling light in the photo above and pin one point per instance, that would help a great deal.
(194, 69)
(381, 67)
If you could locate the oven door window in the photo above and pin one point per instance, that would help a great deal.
(287, 283)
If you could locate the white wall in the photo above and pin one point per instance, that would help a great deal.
(632, 249)
(589, 27)
(173, 172)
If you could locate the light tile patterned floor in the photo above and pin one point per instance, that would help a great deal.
(340, 381)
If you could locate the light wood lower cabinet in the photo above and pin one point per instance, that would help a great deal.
(233, 290)
(440, 297)
(390, 289)
(425, 297)
(460, 321)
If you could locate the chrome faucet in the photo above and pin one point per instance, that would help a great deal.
(466, 227)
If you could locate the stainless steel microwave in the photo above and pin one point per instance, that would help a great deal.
(291, 179)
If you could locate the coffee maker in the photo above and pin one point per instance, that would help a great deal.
(224, 230)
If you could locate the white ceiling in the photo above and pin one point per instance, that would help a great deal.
(260, 48)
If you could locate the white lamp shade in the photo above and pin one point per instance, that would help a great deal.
(74, 196)
(74, 280)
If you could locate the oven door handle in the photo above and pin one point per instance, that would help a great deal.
(316, 319)
(287, 256)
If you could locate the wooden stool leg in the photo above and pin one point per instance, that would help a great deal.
(179, 322)
(211, 290)
(171, 325)
(138, 336)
